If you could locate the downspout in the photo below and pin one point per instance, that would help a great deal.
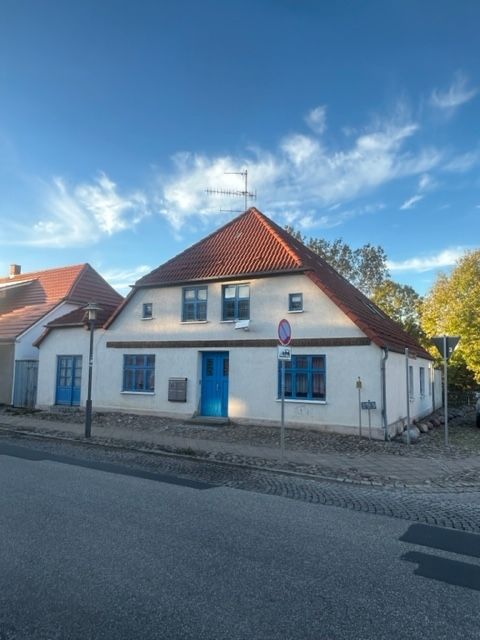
(383, 373)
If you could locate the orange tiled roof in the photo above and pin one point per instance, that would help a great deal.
(252, 245)
(26, 298)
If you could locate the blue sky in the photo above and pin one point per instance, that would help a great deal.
(357, 120)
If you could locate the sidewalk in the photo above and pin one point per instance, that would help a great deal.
(331, 456)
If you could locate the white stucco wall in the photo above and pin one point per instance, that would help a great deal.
(24, 349)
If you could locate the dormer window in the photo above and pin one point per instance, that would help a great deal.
(295, 302)
(147, 311)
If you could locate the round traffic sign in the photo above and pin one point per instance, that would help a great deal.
(284, 332)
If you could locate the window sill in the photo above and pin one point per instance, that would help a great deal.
(194, 321)
(233, 321)
(137, 393)
(295, 311)
(299, 400)
(143, 319)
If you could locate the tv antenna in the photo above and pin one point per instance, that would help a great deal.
(235, 193)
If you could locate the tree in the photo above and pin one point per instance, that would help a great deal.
(453, 308)
(365, 267)
(403, 304)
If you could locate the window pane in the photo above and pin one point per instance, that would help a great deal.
(288, 385)
(301, 362)
(243, 309)
(318, 386)
(295, 302)
(302, 385)
(229, 292)
(202, 293)
(188, 311)
(189, 294)
(243, 291)
(201, 311)
(229, 310)
(318, 362)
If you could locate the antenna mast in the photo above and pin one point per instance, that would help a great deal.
(236, 193)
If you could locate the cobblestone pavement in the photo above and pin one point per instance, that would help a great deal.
(443, 507)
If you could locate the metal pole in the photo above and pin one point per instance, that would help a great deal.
(88, 406)
(282, 424)
(408, 395)
(445, 387)
(359, 387)
(369, 422)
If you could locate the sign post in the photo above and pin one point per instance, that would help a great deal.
(446, 345)
(284, 353)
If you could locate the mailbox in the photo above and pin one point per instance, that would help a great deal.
(177, 389)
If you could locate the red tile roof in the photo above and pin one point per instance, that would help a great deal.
(252, 245)
(27, 297)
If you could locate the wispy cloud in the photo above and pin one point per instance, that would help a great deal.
(300, 178)
(463, 162)
(75, 216)
(445, 258)
(122, 279)
(457, 94)
(317, 119)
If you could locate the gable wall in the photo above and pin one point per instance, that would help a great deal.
(268, 305)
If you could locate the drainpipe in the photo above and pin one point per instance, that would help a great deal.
(383, 373)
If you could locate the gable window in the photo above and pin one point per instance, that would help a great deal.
(139, 373)
(295, 301)
(236, 302)
(305, 378)
(194, 304)
(147, 311)
(422, 381)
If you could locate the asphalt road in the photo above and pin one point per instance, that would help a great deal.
(90, 548)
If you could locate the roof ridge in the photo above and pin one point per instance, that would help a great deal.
(270, 226)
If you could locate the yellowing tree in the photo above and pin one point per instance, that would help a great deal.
(453, 308)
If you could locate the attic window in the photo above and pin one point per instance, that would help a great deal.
(147, 311)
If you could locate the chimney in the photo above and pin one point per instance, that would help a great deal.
(15, 270)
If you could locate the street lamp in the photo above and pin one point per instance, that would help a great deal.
(92, 309)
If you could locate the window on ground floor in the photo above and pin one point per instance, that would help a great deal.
(139, 373)
(305, 378)
(422, 381)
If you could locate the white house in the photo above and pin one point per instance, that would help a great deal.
(198, 337)
(29, 301)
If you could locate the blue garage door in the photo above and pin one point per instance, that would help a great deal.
(69, 378)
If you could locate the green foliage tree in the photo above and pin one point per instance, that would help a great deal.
(365, 267)
(403, 304)
(453, 308)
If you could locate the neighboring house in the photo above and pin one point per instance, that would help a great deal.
(198, 337)
(29, 301)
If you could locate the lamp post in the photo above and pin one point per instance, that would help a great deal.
(91, 309)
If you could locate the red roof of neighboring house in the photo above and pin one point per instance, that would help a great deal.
(27, 297)
(252, 245)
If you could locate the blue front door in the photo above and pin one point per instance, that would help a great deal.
(214, 384)
(69, 377)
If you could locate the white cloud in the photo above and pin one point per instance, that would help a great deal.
(299, 177)
(121, 279)
(446, 258)
(317, 119)
(457, 94)
(411, 202)
(82, 214)
(462, 163)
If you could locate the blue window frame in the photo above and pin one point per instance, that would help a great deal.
(147, 311)
(305, 378)
(295, 301)
(139, 373)
(194, 304)
(236, 302)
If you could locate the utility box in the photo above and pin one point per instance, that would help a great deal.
(177, 389)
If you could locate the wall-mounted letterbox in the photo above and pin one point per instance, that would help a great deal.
(177, 389)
